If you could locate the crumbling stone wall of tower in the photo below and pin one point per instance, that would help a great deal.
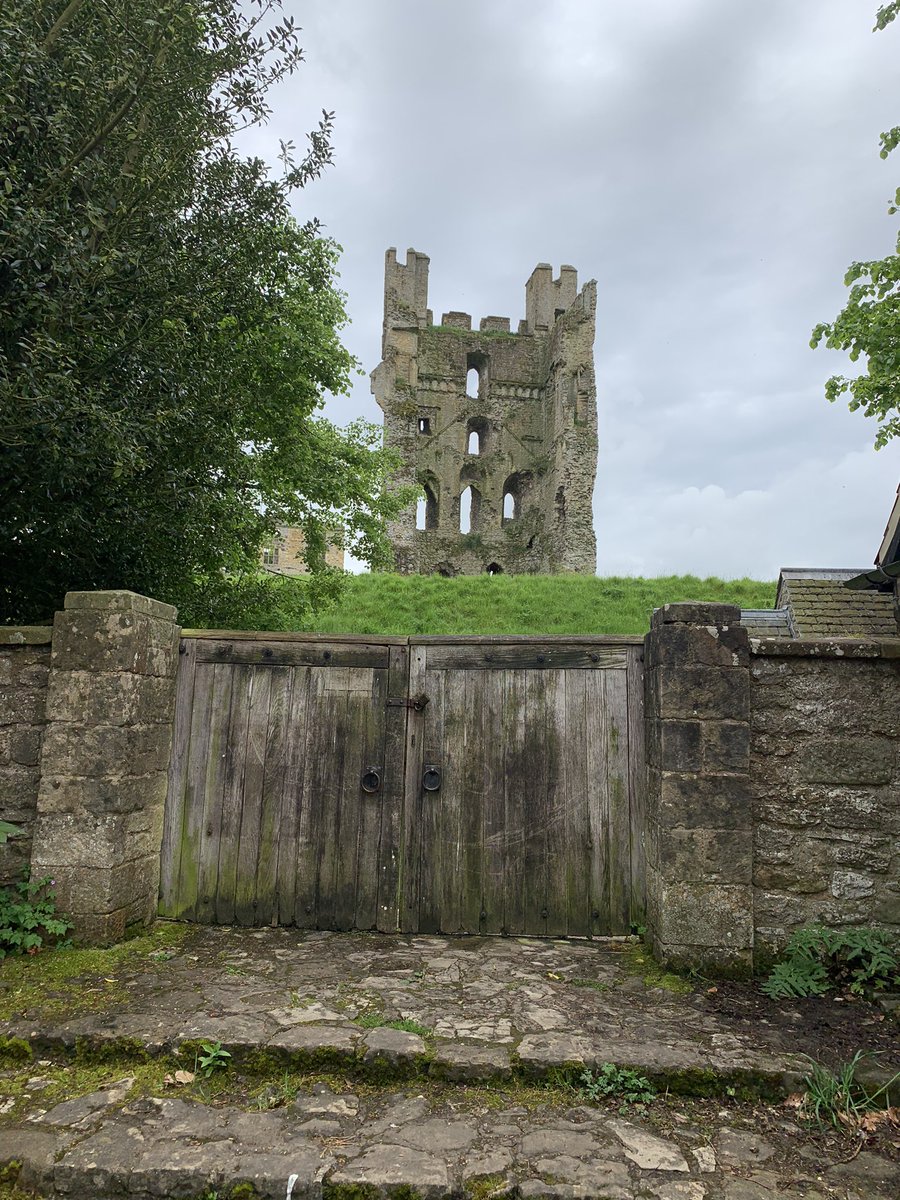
(532, 462)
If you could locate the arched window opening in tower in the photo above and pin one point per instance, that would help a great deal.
(476, 436)
(473, 383)
(469, 507)
(474, 446)
(427, 506)
(424, 425)
(515, 491)
(509, 507)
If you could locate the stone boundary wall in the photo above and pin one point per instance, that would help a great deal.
(773, 787)
(825, 779)
(24, 667)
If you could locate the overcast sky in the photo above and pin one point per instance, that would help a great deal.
(712, 164)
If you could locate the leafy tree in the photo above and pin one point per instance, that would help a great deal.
(869, 324)
(167, 329)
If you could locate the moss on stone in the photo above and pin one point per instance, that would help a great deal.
(639, 961)
(14, 1050)
(482, 1186)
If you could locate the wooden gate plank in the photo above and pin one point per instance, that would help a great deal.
(329, 731)
(535, 816)
(364, 906)
(225, 840)
(415, 851)
(598, 797)
(493, 806)
(200, 860)
(391, 808)
(265, 898)
(448, 803)
(471, 772)
(293, 800)
(515, 782)
(637, 781)
(619, 872)
(558, 800)
(248, 844)
(177, 791)
(577, 860)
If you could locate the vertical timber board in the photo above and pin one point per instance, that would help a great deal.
(395, 796)
(231, 798)
(248, 842)
(476, 753)
(319, 744)
(177, 792)
(415, 850)
(598, 802)
(448, 801)
(356, 874)
(577, 861)
(293, 799)
(265, 897)
(371, 806)
(637, 776)
(535, 815)
(559, 798)
(493, 807)
(331, 730)
(515, 779)
(209, 760)
(615, 685)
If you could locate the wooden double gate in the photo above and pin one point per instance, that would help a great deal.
(478, 785)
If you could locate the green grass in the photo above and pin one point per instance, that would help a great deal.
(521, 604)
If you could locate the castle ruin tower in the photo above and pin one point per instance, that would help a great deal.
(499, 429)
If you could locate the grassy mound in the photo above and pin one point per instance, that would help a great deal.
(521, 604)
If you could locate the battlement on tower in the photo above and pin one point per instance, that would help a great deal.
(499, 432)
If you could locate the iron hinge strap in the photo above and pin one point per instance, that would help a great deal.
(416, 703)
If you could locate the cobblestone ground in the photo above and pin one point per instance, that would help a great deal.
(343, 1106)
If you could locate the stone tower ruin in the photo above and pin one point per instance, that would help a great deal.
(497, 426)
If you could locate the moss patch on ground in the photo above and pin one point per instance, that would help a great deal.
(75, 981)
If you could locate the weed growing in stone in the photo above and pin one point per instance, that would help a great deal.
(28, 916)
(374, 1020)
(837, 1098)
(818, 959)
(212, 1058)
(610, 1082)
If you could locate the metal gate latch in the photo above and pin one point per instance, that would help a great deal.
(416, 703)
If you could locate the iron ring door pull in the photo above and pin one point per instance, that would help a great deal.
(371, 780)
(431, 780)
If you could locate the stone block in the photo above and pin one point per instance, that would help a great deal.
(18, 789)
(695, 612)
(100, 890)
(20, 745)
(100, 641)
(99, 929)
(718, 961)
(114, 698)
(679, 745)
(704, 801)
(705, 693)
(120, 601)
(705, 855)
(697, 646)
(105, 841)
(98, 750)
(103, 793)
(726, 746)
(700, 914)
(21, 706)
(855, 760)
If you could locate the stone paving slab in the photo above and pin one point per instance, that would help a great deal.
(341, 1146)
(486, 1005)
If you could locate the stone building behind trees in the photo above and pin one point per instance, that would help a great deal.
(498, 429)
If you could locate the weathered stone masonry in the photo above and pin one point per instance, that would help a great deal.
(774, 787)
(24, 667)
(526, 444)
(109, 708)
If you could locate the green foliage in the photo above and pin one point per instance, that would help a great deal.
(868, 326)
(212, 1058)
(374, 1020)
(837, 1098)
(28, 917)
(818, 959)
(8, 830)
(168, 331)
(520, 604)
(617, 1083)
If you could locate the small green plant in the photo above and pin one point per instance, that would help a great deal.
(818, 959)
(28, 916)
(212, 1058)
(617, 1083)
(8, 830)
(377, 1020)
(837, 1098)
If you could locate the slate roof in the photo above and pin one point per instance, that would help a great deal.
(766, 622)
(818, 605)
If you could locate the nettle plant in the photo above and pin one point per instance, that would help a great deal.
(28, 917)
(818, 959)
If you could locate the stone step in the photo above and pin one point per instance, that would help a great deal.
(323, 1144)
